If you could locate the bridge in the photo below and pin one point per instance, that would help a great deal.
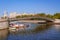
(28, 18)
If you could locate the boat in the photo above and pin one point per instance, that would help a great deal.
(12, 29)
(16, 27)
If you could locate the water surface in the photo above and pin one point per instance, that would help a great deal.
(41, 32)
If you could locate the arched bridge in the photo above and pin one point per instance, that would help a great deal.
(28, 18)
(32, 18)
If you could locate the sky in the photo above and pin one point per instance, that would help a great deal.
(30, 6)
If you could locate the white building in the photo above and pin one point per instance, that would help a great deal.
(25, 14)
(12, 15)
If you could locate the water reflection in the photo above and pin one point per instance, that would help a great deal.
(57, 26)
(33, 30)
(29, 35)
(40, 28)
(7, 35)
(3, 34)
(40, 32)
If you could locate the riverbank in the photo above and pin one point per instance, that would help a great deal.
(57, 21)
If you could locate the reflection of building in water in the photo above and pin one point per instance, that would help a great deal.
(3, 34)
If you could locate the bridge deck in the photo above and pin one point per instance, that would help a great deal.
(28, 18)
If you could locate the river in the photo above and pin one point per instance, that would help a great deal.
(42, 32)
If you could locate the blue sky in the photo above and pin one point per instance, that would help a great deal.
(30, 6)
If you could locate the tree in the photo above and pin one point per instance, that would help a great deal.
(56, 16)
(41, 14)
(18, 16)
(49, 16)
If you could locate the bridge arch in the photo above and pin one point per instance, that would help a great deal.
(40, 18)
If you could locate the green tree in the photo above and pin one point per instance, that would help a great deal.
(49, 16)
(41, 14)
(18, 16)
(56, 16)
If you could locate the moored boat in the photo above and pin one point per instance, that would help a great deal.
(17, 27)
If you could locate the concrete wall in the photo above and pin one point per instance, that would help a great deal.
(3, 25)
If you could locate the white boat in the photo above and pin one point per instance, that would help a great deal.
(17, 27)
(12, 29)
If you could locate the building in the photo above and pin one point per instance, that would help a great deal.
(13, 15)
